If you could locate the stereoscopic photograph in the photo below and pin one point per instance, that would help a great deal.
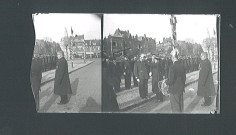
(154, 63)
(66, 66)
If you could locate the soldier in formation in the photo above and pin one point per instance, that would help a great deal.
(35, 78)
(127, 73)
(133, 61)
(155, 72)
(48, 62)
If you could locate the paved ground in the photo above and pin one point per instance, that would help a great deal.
(86, 87)
(129, 98)
(192, 103)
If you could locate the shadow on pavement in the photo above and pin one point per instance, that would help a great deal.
(48, 104)
(46, 92)
(166, 108)
(74, 86)
(193, 104)
(91, 106)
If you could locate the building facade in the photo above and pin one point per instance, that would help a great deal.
(85, 48)
(122, 43)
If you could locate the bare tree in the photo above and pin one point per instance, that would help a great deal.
(209, 44)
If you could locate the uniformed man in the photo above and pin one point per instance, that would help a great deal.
(155, 72)
(166, 67)
(170, 63)
(51, 62)
(35, 78)
(188, 65)
(133, 62)
(54, 62)
(116, 71)
(127, 73)
(43, 63)
(162, 68)
(46, 62)
(141, 71)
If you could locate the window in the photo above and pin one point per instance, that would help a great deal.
(113, 44)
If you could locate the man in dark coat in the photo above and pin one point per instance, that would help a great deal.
(116, 71)
(35, 78)
(127, 73)
(166, 67)
(62, 85)
(141, 71)
(43, 63)
(133, 61)
(54, 62)
(188, 65)
(197, 63)
(162, 69)
(176, 81)
(155, 72)
(206, 86)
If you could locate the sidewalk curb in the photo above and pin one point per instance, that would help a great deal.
(152, 96)
(68, 72)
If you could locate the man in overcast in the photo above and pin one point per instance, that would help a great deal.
(62, 85)
(141, 70)
(206, 86)
(176, 81)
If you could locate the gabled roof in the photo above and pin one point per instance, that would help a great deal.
(121, 33)
(79, 38)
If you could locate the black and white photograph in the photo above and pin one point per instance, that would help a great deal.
(161, 63)
(66, 66)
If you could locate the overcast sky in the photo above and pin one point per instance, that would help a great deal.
(158, 26)
(53, 25)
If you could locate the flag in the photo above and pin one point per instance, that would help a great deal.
(72, 31)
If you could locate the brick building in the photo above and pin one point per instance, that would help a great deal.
(123, 43)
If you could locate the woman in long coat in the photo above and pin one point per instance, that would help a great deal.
(62, 86)
(206, 86)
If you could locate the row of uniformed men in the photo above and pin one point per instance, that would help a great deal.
(48, 62)
(126, 68)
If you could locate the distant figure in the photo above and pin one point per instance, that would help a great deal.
(176, 81)
(62, 85)
(35, 78)
(206, 86)
(141, 70)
